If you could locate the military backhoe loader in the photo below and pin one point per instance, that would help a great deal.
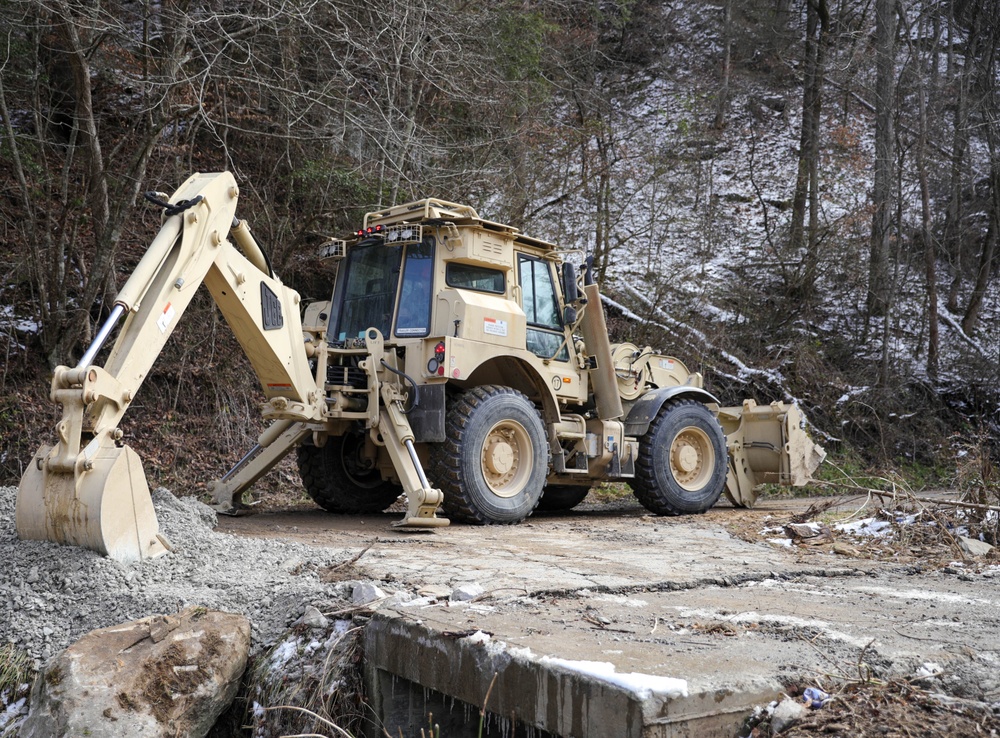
(458, 362)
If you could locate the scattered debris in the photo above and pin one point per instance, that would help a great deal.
(786, 714)
(815, 698)
(809, 534)
(466, 592)
(366, 593)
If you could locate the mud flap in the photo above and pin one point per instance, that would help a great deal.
(767, 445)
(107, 508)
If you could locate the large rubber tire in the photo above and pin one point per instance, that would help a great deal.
(562, 497)
(495, 457)
(682, 460)
(337, 481)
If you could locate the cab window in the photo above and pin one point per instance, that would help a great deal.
(414, 314)
(468, 277)
(538, 300)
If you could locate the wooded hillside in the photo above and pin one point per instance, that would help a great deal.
(800, 198)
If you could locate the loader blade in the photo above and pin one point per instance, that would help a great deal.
(106, 509)
(767, 445)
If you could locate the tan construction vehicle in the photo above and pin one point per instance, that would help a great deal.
(450, 344)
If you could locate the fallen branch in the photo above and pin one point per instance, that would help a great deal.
(352, 560)
(960, 503)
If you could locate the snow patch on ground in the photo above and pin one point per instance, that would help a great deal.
(757, 618)
(920, 594)
(643, 686)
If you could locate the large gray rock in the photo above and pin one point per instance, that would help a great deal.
(159, 676)
(974, 548)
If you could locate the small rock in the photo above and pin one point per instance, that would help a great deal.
(365, 593)
(787, 713)
(845, 550)
(313, 618)
(32, 575)
(807, 535)
(398, 599)
(928, 670)
(466, 592)
(970, 546)
(435, 591)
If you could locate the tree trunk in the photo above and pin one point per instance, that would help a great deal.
(807, 177)
(926, 232)
(986, 89)
(879, 287)
(959, 82)
(815, 106)
(971, 318)
(800, 197)
(722, 103)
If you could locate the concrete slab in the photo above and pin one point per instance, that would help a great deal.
(666, 598)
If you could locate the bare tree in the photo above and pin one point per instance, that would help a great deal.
(100, 159)
(879, 283)
(807, 178)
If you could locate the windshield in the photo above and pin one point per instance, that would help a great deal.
(366, 291)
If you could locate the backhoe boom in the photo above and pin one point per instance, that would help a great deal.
(90, 489)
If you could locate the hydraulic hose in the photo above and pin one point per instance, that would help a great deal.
(408, 378)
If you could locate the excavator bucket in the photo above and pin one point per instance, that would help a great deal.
(106, 507)
(767, 445)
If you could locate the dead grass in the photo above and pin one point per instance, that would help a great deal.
(898, 708)
(15, 671)
(307, 691)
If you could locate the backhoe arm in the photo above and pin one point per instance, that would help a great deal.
(90, 490)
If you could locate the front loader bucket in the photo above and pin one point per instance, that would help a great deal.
(767, 445)
(106, 509)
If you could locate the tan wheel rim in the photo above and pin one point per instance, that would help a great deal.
(692, 458)
(507, 458)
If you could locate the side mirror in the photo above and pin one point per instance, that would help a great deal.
(571, 293)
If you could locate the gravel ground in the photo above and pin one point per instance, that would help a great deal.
(52, 594)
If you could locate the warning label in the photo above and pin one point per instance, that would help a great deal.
(164, 321)
(494, 327)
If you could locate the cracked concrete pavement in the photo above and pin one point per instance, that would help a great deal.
(677, 597)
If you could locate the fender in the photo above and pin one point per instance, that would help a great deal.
(646, 407)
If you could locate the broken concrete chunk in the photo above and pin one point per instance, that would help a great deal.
(399, 599)
(466, 592)
(119, 683)
(786, 714)
(313, 618)
(365, 593)
(435, 591)
(843, 549)
(809, 535)
(974, 548)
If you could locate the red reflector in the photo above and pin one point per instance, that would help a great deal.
(440, 371)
